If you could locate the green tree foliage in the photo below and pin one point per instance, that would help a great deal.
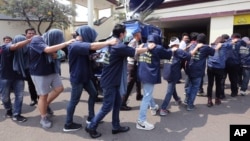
(50, 11)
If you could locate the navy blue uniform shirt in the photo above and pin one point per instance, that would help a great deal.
(172, 67)
(39, 64)
(7, 57)
(149, 69)
(112, 72)
(196, 66)
(79, 63)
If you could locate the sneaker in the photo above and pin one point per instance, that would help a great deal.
(164, 112)
(243, 93)
(8, 113)
(45, 122)
(190, 107)
(19, 118)
(144, 125)
(72, 127)
(49, 111)
(154, 109)
(88, 122)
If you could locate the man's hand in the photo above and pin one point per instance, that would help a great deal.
(69, 42)
(112, 42)
(151, 46)
(218, 46)
(140, 46)
(199, 45)
(174, 49)
(54, 55)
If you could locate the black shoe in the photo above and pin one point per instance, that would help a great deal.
(33, 103)
(49, 111)
(139, 97)
(19, 118)
(72, 127)
(93, 133)
(222, 96)
(178, 82)
(125, 108)
(233, 95)
(9, 113)
(121, 130)
(98, 99)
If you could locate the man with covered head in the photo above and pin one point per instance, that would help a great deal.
(12, 77)
(43, 70)
(81, 73)
(149, 71)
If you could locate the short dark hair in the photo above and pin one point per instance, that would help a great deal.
(201, 38)
(193, 35)
(184, 34)
(118, 29)
(31, 28)
(7, 37)
(236, 35)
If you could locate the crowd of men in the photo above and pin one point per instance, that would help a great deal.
(36, 59)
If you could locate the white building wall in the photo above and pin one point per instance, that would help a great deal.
(219, 26)
(202, 8)
(12, 28)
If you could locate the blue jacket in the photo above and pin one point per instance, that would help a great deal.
(245, 56)
(233, 53)
(149, 69)
(172, 67)
(218, 60)
(196, 66)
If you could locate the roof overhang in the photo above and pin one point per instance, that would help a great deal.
(98, 4)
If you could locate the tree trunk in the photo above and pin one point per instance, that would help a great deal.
(51, 22)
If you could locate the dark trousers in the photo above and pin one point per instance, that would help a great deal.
(31, 86)
(111, 101)
(132, 79)
(217, 75)
(233, 74)
(201, 85)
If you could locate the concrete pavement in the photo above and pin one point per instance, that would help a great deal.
(202, 124)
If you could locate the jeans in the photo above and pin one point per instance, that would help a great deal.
(246, 77)
(186, 84)
(18, 87)
(112, 99)
(147, 100)
(171, 91)
(193, 88)
(76, 93)
(217, 75)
